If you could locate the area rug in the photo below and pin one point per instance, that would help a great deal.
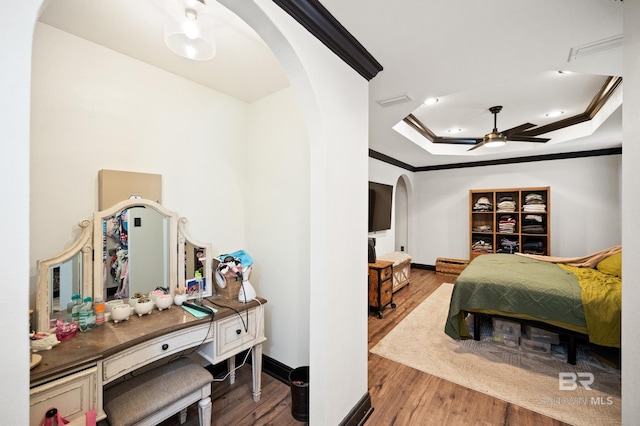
(544, 383)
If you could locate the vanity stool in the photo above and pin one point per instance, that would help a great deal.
(157, 394)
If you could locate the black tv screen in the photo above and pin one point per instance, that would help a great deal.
(380, 202)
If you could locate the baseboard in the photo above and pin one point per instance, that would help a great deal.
(270, 366)
(356, 417)
(360, 413)
(422, 266)
(276, 369)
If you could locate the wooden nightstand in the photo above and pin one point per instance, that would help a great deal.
(381, 285)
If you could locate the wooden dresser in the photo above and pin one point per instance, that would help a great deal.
(381, 285)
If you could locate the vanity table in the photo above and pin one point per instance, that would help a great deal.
(136, 245)
(72, 375)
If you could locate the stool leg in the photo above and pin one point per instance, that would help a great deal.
(182, 416)
(204, 411)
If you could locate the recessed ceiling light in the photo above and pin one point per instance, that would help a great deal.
(431, 101)
(454, 130)
(553, 114)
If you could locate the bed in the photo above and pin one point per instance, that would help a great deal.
(577, 295)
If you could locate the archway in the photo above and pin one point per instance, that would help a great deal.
(402, 213)
(331, 96)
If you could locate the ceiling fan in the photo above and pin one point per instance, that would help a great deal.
(521, 133)
(514, 134)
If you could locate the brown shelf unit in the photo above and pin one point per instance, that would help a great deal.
(509, 220)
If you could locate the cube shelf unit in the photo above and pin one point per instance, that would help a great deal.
(526, 229)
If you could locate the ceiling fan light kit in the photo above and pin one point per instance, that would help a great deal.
(494, 140)
(189, 29)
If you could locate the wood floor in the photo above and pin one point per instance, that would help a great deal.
(400, 395)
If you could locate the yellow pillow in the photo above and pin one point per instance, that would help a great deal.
(611, 265)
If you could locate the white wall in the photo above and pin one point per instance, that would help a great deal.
(277, 200)
(585, 204)
(630, 222)
(334, 103)
(93, 108)
(16, 30)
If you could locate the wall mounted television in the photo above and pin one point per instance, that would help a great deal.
(380, 203)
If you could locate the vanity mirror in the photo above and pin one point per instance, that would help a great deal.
(135, 245)
(133, 252)
(197, 257)
(61, 276)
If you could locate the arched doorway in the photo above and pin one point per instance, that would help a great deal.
(401, 212)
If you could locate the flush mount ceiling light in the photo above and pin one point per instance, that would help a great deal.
(431, 101)
(189, 29)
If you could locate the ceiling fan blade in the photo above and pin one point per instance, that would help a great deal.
(476, 146)
(459, 141)
(521, 138)
(518, 129)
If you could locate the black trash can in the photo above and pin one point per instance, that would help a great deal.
(299, 381)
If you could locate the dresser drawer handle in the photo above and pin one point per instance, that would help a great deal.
(238, 331)
(165, 346)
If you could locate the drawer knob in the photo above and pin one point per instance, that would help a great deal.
(165, 346)
(238, 331)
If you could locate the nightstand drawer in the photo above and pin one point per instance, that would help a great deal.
(386, 273)
(152, 350)
(386, 291)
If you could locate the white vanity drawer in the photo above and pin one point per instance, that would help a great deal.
(72, 395)
(153, 350)
(231, 336)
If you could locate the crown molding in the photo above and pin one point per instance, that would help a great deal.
(320, 22)
(547, 157)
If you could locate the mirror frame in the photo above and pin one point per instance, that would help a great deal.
(98, 218)
(83, 244)
(184, 237)
(89, 244)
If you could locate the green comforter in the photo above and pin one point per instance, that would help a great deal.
(534, 289)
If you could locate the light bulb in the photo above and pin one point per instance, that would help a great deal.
(190, 25)
(190, 51)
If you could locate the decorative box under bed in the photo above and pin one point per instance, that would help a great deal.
(401, 268)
